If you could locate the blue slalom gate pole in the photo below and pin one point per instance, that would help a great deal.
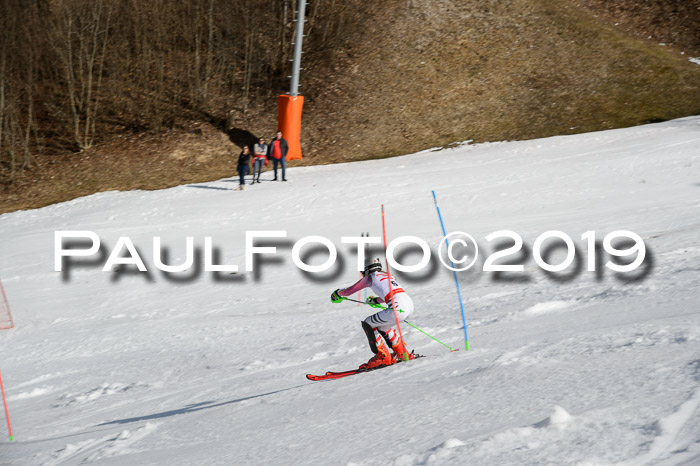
(459, 292)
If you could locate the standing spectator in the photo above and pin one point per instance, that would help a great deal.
(260, 150)
(243, 167)
(277, 151)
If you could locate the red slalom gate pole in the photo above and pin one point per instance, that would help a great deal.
(7, 413)
(393, 301)
(7, 305)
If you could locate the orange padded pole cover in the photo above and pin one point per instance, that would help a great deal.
(289, 122)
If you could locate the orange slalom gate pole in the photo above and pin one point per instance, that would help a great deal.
(7, 413)
(404, 356)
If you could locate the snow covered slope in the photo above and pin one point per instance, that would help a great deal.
(578, 368)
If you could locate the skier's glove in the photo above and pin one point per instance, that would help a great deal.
(372, 301)
(335, 297)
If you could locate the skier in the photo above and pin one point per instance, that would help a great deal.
(382, 321)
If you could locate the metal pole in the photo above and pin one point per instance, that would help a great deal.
(296, 63)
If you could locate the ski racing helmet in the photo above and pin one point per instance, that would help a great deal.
(372, 265)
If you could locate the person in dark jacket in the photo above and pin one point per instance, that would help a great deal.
(243, 167)
(277, 151)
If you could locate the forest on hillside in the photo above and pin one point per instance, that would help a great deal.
(72, 72)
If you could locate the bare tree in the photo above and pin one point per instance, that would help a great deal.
(83, 31)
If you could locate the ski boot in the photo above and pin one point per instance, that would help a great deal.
(400, 349)
(382, 358)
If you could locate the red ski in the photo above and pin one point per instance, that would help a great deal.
(339, 375)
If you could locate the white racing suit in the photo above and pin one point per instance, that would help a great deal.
(395, 298)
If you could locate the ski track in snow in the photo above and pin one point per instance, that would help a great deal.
(589, 368)
(102, 449)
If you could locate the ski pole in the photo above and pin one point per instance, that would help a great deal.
(421, 331)
(427, 334)
(459, 292)
(356, 301)
(7, 413)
